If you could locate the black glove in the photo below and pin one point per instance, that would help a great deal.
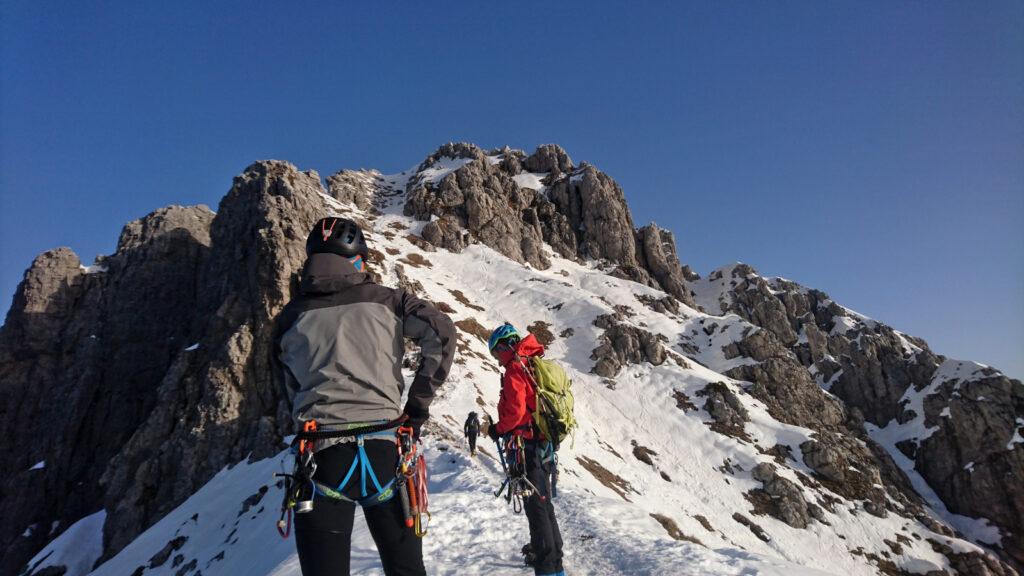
(492, 432)
(417, 417)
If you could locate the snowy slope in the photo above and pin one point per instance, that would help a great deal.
(696, 479)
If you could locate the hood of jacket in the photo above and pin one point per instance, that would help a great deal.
(328, 273)
(526, 348)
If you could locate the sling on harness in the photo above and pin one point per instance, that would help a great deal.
(301, 488)
(512, 455)
(412, 481)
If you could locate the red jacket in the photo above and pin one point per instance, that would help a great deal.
(518, 400)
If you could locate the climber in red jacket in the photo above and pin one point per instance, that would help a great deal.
(515, 417)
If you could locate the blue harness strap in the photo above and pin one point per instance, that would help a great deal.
(362, 463)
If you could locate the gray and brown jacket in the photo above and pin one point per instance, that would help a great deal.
(338, 347)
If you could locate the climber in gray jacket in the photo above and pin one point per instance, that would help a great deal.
(338, 349)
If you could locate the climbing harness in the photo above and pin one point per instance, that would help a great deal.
(300, 488)
(550, 454)
(412, 481)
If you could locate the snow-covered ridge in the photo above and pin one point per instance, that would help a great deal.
(650, 486)
(696, 481)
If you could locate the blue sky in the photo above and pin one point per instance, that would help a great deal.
(874, 150)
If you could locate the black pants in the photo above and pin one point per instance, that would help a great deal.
(545, 538)
(472, 442)
(323, 536)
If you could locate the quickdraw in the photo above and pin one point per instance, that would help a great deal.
(412, 481)
(516, 486)
(298, 487)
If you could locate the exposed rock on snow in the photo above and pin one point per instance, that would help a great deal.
(725, 407)
(781, 382)
(353, 186)
(951, 419)
(582, 215)
(983, 418)
(549, 158)
(785, 500)
(623, 344)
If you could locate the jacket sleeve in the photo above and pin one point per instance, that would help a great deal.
(512, 403)
(434, 332)
(284, 380)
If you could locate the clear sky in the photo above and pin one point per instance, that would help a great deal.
(874, 150)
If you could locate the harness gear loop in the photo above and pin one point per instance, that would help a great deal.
(411, 473)
(296, 483)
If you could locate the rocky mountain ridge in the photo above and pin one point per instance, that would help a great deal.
(146, 373)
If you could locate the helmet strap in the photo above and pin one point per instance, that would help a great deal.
(327, 231)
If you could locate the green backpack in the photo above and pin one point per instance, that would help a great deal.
(553, 414)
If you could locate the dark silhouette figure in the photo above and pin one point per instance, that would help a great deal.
(472, 430)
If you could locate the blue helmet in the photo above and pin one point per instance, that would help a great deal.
(503, 332)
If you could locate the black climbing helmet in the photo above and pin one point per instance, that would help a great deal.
(339, 236)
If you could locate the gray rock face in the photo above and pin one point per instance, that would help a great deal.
(80, 355)
(105, 356)
(781, 382)
(549, 158)
(582, 215)
(622, 344)
(876, 372)
(596, 207)
(858, 470)
(969, 460)
(352, 186)
(483, 200)
(725, 407)
(754, 301)
(658, 256)
(786, 500)
(205, 420)
(870, 367)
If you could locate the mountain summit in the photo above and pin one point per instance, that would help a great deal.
(731, 424)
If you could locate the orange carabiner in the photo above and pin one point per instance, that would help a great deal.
(304, 445)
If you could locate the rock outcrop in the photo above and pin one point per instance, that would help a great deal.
(781, 382)
(217, 402)
(972, 460)
(468, 195)
(80, 355)
(133, 381)
(623, 344)
(969, 416)
(781, 497)
(730, 416)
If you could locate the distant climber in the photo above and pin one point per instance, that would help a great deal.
(338, 350)
(472, 430)
(516, 407)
